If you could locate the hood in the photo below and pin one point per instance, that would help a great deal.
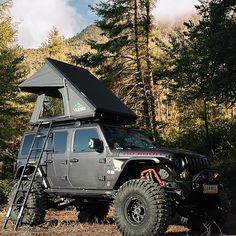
(180, 152)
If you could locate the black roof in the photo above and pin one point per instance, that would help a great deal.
(86, 83)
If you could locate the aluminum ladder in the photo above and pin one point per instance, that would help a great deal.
(26, 192)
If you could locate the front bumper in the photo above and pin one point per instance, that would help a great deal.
(203, 183)
(207, 182)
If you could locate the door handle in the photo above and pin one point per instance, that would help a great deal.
(74, 160)
(48, 161)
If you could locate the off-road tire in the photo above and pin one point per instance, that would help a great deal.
(92, 212)
(141, 208)
(36, 204)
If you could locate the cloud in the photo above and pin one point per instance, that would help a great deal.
(169, 10)
(35, 18)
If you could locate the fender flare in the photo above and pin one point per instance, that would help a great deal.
(132, 168)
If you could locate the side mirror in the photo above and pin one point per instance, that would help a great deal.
(96, 144)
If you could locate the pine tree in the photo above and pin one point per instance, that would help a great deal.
(55, 46)
(200, 61)
(146, 7)
(122, 61)
(204, 55)
(11, 73)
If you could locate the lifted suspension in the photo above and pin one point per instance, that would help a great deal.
(151, 174)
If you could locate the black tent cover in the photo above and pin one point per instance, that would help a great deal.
(103, 100)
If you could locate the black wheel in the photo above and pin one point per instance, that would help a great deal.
(35, 209)
(212, 215)
(141, 208)
(92, 212)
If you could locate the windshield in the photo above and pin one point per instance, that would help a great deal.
(122, 138)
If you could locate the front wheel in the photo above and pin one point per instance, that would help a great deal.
(141, 208)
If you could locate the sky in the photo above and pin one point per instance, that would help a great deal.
(35, 18)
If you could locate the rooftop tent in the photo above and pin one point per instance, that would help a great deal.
(83, 95)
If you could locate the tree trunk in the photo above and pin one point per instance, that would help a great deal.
(149, 69)
(206, 123)
(140, 77)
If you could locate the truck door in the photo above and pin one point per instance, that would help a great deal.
(86, 167)
(56, 159)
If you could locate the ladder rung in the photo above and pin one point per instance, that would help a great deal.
(36, 149)
(25, 176)
(47, 150)
(40, 135)
(45, 123)
(22, 190)
(30, 163)
(17, 204)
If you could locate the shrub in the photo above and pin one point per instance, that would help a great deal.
(5, 188)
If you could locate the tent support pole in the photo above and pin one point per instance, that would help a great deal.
(67, 98)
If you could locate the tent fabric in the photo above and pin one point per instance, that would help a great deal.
(52, 75)
(45, 80)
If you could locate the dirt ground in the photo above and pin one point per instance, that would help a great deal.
(64, 223)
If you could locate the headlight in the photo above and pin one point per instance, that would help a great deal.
(211, 176)
(216, 176)
(184, 174)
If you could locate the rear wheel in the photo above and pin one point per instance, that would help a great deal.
(35, 209)
(141, 208)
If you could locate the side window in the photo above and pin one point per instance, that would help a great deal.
(81, 140)
(27, 144)
(60, 141)
(57, 143)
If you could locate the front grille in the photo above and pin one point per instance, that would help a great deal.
(193, 164)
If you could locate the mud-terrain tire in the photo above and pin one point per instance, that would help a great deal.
(36, 204)
(214, 215)
(141, 208)
(92, 212)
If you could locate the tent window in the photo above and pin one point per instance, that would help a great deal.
(52, 107)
